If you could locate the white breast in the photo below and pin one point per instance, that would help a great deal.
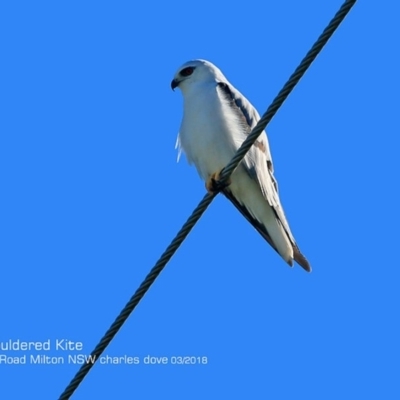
(206, 130)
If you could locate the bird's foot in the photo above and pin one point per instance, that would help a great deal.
(213, 184)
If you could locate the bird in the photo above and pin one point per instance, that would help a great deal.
(216, 120)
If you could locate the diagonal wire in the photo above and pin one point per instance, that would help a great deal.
(285, 91)
(206, 201)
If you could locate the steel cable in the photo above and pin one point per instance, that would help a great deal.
(206, 201)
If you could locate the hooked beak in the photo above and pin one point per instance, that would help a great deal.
(174, 84)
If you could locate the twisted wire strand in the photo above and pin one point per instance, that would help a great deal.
(139, 294)
(285, 91)
(207, 199)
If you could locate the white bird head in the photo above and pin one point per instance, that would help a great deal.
(196, 72)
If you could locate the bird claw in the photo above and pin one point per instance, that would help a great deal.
(213, 184)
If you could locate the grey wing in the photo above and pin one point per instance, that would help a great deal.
(258, 160)
(258, 164)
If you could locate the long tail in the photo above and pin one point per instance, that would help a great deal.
(300, 259)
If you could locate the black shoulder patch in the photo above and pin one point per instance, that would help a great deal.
(236, 103)
(225, 89)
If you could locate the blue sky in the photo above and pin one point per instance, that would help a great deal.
(91, 195)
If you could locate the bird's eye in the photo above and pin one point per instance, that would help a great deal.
(187, 71)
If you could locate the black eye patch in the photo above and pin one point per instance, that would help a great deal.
(187, 71)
